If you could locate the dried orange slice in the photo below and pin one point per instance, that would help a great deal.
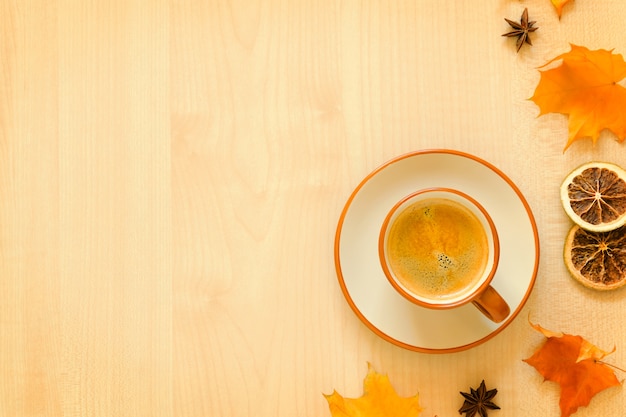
(596, 259)
(594, 196)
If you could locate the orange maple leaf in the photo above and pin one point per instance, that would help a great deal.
(379, 400)
(574, 364)
(558, 5)
(585, 87)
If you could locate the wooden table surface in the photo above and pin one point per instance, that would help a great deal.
(172, 174)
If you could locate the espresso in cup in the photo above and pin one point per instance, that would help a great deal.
(437, 248)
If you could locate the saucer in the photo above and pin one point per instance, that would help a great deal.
(363, 282)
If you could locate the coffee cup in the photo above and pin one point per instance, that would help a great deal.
(439, 248)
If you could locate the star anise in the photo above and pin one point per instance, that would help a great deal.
(521, 30)
(478, 401)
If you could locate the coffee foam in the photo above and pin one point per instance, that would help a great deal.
(437, 248)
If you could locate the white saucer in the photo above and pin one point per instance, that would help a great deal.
(361, 277)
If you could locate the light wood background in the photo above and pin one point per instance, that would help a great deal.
(172, 174)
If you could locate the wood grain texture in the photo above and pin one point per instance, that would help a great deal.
(171, 177)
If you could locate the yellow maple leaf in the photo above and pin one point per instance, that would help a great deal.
(379, 399)
(558, 5)
(585, 87)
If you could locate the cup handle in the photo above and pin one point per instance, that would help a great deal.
(492, 305)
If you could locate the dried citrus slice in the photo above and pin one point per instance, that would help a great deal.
(594, 196)
(596, 259)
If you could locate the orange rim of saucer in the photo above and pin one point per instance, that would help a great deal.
(400, 343)
(406, 294)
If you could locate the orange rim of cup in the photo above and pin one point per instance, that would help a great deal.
(406, 294)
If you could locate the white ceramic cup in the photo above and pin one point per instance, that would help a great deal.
(443, 252)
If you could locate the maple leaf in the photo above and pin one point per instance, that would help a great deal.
(379, 399)
(558, 5)
(585, 87)
(573, 363)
